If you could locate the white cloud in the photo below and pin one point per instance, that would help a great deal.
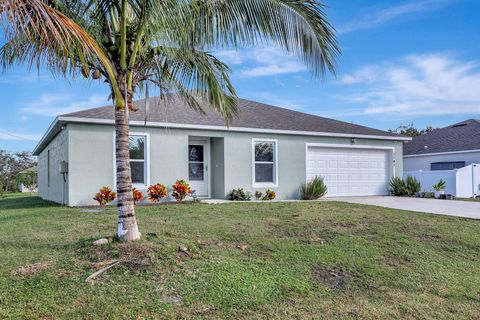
(19, 136)
(52, 104)
(435, 84)
(365, 74)
(231, 57)
(274, 69)
(262, 61)
(391, 13)
(269, 98)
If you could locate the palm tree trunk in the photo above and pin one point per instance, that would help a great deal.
(127, 223)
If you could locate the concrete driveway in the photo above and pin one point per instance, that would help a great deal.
(466, 209)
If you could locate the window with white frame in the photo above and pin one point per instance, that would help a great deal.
(137, 148)
(264, 162)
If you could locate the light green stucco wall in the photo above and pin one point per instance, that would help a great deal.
(91, 162)
(57, 190)
(291, 159)
(91, 157)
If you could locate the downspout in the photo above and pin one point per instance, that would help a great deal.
(474, 181)
(64, 172)
(63, 188)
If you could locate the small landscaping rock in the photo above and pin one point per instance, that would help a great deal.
(183, 250)
(100, 242)
(242, 247)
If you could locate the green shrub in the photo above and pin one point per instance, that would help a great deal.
(398, 186)
(440, 185)
(428, 195)
(402, 188)
(412, 186)
(239, 195)
(313, 189)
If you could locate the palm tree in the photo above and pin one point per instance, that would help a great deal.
(129, 43)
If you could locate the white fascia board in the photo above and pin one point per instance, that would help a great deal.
(44, 137)
(440, 153)
(347, 146)
(234, 129)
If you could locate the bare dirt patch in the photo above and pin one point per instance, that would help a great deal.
(173, 299)
(306, 234)
(333, 278)
(395, 261)
(30, 269)
(136, 256)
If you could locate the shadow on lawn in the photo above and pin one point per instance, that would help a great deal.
(25, 202)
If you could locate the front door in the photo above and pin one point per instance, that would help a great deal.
(198, 162)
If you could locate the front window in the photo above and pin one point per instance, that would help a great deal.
(136, 144)
(265, 162)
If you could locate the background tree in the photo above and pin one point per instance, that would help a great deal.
(28, 178)
(130, 43)
(410, 130)
(11, 164)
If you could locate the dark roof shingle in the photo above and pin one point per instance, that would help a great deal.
(172, 109)
(461, 136)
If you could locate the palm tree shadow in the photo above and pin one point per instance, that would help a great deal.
(27, 202)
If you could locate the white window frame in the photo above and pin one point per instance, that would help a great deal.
(273, 184)
(139, 186)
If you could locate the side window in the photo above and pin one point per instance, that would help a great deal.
(264, 162)
(137, 148)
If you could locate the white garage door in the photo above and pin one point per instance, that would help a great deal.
(349, 171)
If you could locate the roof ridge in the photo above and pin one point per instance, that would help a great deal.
(467, 121)
(457, 137)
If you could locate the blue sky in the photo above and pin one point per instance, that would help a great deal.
(402, 62)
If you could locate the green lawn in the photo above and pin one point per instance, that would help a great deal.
(299, 260)
(468, 199)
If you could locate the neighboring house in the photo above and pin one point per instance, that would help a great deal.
(267, 147)
(452, 154)
(448, 148)
(32, 177)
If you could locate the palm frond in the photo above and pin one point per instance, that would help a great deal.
(299, 27)
(195, 75)
(52, 37)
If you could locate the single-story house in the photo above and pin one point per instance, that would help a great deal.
(448, 148)
(451, 153)
(266, 147)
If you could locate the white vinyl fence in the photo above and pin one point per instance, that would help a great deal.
(462, 183)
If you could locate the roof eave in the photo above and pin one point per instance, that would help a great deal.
(52, 130)
(439, 153)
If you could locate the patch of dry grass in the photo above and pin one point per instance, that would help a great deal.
(247, 260)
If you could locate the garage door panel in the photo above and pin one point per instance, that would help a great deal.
(349, 171)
